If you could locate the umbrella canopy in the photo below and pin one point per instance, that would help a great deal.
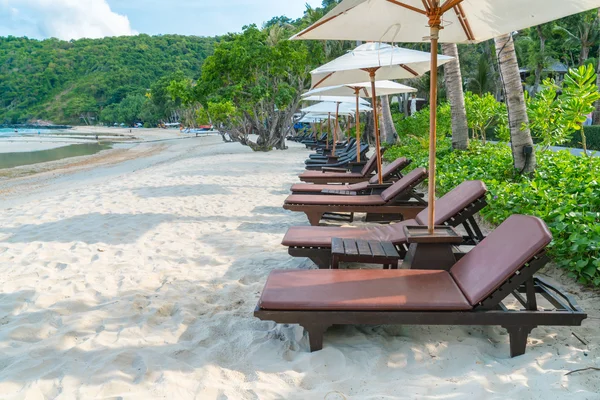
(435, 21)
(326, 107)
(311, 119)
(384, 88)
(464, 21)
(377, 61)
(392, 62)
(338, 109)
(334, 99)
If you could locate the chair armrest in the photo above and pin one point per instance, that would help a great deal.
(356, 167)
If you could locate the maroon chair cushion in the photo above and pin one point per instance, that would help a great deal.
(320, 236)
(395, 166)
(409, 180)
(454, 202)
(333, 200)
(487, 266)
(370, 166)
(362, 290)
(331, 175)
(317, 189)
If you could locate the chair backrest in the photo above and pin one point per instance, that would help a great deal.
(396, 166)
(410, 180)
(454, 202)
(348, 151)
(499, 256)
(371, 165)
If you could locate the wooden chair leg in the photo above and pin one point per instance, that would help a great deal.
(315, 335)
(322, 262)
(335, 262)
(518, 339)
(314, 217)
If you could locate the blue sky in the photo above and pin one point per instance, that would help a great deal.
(73, 19)
(204, 17)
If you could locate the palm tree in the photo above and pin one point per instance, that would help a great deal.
(585, 34)
(453, 78)
(482, 81)
(522, 143)
(388, 131)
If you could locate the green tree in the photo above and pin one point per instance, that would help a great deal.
(262, 79)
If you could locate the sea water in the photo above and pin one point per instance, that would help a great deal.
(4, 132)
(10, 160)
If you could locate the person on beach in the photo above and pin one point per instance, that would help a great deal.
(413, 105)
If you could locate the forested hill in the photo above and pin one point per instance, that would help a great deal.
(64, 81)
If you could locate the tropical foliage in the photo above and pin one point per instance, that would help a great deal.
(73, 82)
(564, 191)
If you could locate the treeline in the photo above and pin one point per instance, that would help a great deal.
(144, 78)
(77, 81)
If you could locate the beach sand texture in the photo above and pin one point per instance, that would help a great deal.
(141, 284)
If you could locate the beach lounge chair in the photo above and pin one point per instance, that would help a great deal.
(390, 173)
(313, 144)
(456, 208)
(397, 202)
(338, 161)
(341, 175)
(341, 149)
(472, 292)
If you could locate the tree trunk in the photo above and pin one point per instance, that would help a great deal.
(515, 102)
(388, 131)
(369, 133)
(491, 54)
(539, 68)
(454, 87)
(405, 105)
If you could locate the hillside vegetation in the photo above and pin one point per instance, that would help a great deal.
(71, 82)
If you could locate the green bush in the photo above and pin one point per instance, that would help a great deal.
(564, 192)
(592, 134)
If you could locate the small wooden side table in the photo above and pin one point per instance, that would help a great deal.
(364, 251)
(428, 251)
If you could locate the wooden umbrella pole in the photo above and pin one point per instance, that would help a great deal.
(435, 30)
(336, 126)
(356, 91)
(376, 124)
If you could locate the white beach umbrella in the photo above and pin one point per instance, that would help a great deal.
(389, 62)
(313, 118)
(462, 21)
(377, 61)
(327, 107)
(338, 108)
(384, 88)
(333, 99)
(435, 21)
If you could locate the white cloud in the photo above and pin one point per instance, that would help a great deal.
(206, 17)
(63, 19)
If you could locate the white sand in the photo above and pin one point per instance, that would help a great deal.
(139, 282)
